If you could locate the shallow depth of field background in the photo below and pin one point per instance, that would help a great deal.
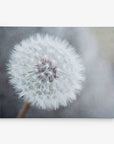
(96, 47)
(105, 38)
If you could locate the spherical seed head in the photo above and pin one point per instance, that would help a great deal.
(46, 71)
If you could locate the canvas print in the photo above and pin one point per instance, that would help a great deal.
(56, 72)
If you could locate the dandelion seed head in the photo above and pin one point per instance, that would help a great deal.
(46, 71)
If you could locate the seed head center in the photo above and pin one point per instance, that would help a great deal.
(46, 70)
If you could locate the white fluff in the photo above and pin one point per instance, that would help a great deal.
(34, 86)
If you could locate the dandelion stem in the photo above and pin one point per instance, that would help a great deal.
(24, 110)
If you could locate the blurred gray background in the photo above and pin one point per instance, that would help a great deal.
(96, 47)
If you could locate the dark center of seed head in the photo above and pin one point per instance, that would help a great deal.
(46, 70)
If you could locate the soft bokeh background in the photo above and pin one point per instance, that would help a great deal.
(96, 47)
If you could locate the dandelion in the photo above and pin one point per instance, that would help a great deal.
(46, 72)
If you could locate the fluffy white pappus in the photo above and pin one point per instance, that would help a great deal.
(46, 71)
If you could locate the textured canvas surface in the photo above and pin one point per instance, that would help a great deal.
(95, 46)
